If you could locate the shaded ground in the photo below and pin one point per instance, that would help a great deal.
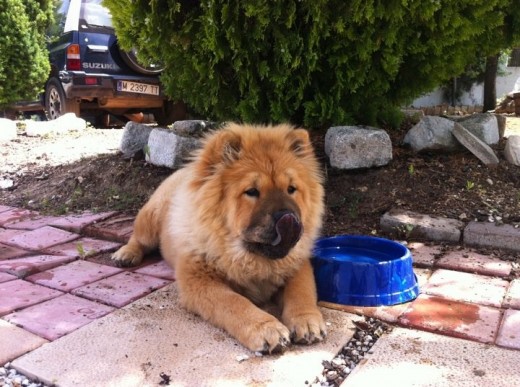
(84, 171)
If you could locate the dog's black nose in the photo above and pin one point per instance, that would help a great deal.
(288, 228)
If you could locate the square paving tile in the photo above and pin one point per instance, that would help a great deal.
(4, 277)
(5, 208)
(424, 255)
(8, 252)
(42, 238)
(160, 269)
(453, 318)
(512, 299)
(117, 228)
(59, 316)
(509, 333)
(120, 289)
(73, 275)
(7, 234)
(84, 247)
(470, 261)
(15, 341)
(31, 222)
(14, 214)
(467, 287)
(76, 223)
(22, 267)
(20, 294)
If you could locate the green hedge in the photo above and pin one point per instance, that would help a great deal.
(24, 61)
(307, 61)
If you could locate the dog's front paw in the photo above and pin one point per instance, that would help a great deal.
(307, 327)
(267, 337)
(128, 256)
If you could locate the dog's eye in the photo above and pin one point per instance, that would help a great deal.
(252, 192)
(291, 189)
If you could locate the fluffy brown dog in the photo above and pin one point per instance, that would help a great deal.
(238, 224)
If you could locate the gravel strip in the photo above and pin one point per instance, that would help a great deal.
(9, 377)
(336, 370)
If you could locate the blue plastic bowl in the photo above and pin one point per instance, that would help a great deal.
(363, 271)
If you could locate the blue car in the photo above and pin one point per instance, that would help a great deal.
(91, 74)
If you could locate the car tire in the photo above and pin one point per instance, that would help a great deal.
(171, 112)
(130, 58)
(56, 103)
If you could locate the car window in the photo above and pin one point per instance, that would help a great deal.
(94, 14)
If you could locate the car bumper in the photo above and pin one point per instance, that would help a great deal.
(103, 87)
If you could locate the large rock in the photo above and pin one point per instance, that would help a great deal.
(195, 128)
(432, 133)
(512, 150)
(167, 149)
(134, 139)
(479, 148)
(484, 126)
(352, 147)
(7, 130)
(65, 123)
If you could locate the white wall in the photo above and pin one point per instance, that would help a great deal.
(475, 96)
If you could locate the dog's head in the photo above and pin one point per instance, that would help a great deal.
(266, 182)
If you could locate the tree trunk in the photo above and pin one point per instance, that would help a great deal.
(490, 77)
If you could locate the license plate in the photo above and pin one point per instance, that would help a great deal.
(136, 87)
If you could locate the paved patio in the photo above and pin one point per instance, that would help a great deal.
(68, 316)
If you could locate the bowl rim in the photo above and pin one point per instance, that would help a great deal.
(406, 254)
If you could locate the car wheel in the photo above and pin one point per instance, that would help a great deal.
(56, 104)
(171, 112)
(130, 58)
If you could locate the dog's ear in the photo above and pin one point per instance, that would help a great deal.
(220, 148)
(299, 142)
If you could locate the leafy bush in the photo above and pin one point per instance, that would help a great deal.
(24, 62)
(312, 61)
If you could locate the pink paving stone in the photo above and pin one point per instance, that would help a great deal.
(76, 223)
(42, 238)
(160, 269)
(512, 299)
(14, 214)
(6, 235)
(117, 228)
(8, 252)
(83, 247)
(120, 289)
(424, 255)
(20, 294)
(5, 208)
(509, 333)
(73, 275)
(4, 277)
(467, 287)
(452, 318)
(31, 222)
(22, 267)
(470, 261)
(59, 316)
(15, 341)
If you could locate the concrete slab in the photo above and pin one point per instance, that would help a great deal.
(135, 345)
(412, 225)
(483, 234)
(479, 148)
(413, 358)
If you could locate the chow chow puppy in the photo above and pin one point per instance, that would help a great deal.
(238, 224)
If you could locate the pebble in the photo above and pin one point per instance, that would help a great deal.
(9, 377)
(337, 370)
